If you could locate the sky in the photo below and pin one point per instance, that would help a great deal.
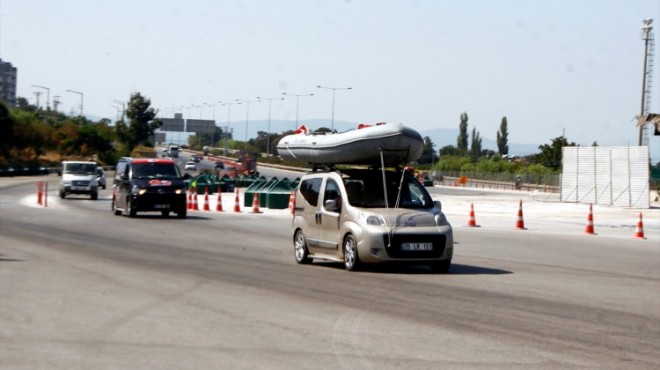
(552, 67)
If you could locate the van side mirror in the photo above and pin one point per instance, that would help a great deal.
(186, 176)
(437, 204)
(331, 205)
(59, 172)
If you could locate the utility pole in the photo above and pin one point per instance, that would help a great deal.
(647, 36)
(56, 102)
(47, 95)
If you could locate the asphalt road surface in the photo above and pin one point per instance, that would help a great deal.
(81, 288)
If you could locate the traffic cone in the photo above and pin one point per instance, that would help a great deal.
(520, 223)
(218, 207)
(589, 229)
(237, 204)
(639, 232)
(206, 199)
(472, 222)
(195, 206)
(255, 203)
(190, 205)
(292, 201)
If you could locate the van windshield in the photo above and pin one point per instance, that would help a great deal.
(365, 189)
(80, 168)
(156, 171)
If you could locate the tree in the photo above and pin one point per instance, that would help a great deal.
(6, 130)
(550, 155)
(449, 150)
(428, 153)
(142, 122)
(462, 141)
(503, 138)
(475, 145)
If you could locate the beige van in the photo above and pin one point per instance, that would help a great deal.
(369, 216)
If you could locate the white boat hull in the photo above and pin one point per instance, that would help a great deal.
(398, 143)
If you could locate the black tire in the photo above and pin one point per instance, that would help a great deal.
(113, 206)
(182, 213)
(94, 195)
(440, 267)
(165, 214)
(351, 258)
(130, 209)
(300, 251)
(62, 195)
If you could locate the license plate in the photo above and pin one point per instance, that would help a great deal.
(162, 206)
(416, 246)
(78, 188)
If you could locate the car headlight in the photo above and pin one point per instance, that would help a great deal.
(441, 220)
(138, 191)
(179, 191)
(371, 219)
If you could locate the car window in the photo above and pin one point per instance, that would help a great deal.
(310, 190)
(332, 193)
(155, 170)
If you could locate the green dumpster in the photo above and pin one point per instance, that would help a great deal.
(279, 194)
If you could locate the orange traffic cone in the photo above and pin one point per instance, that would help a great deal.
(255, 203)
(472, 222)
(206, 199)
(639, 232)
(190, 206)
(292, 201)
(520, 223)
(195, 206)
(589, 229)
(218, 207)
(237, 204)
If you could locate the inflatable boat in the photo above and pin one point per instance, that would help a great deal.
(368, 144)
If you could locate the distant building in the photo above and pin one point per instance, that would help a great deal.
(8, 83)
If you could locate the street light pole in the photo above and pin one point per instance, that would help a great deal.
(224, 149)
(270, 101)
(47, 95)
(123, 108)
(332, 127)
(81, 100)
(247, 116)
(297, 105)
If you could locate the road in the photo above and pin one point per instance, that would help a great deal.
(81, 288)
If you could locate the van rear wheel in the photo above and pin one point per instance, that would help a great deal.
(300, 248)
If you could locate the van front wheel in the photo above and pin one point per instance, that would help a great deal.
(351, 258)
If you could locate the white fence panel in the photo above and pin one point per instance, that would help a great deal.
(606, 175)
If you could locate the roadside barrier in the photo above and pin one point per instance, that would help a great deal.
(42, 193)
(520, 223)
(255, 203)
(237, 202)
(218, 207)
(639, 231)
(190, 203)
(589, 229)
(207, 207)
(472, 222)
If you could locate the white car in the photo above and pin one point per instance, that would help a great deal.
(191, 166)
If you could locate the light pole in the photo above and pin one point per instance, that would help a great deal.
(47, 95)
(332, 124)
(270, 101)
(224, 149)
(297, 104)
(123, 108)
(81, 100)
(247, 116)
(647, 36)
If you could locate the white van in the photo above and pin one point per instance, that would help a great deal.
(78, 178)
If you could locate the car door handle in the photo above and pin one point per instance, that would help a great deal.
(318, 218)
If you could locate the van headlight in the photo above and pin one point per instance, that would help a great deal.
(138, 191)
(371, 219)
(179, 191)
(441, 220)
